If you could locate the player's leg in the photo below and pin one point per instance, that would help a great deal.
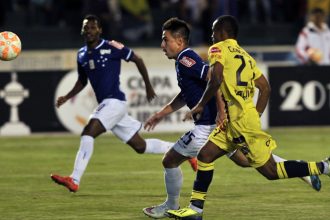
(106, 115)
(292, 168)
(313, 181)
(206, 157)
(186, 147)
(241, 160)
(173, 183)
(238, 158)
(149, 146)
(93, 129)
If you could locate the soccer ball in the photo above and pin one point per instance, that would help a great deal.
(10, 46)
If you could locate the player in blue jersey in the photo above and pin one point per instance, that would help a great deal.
(99, 63)
(192, 76)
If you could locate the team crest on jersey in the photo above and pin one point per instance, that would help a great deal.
(116, 44)
(104, 51)
(187, 61)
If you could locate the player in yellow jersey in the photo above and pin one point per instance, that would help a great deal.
(235, 72)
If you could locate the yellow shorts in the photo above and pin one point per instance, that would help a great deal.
(246, 134)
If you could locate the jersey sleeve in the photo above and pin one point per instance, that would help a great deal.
(193, 66)
(120, 51)
(215, 54)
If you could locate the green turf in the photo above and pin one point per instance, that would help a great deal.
(118, 182)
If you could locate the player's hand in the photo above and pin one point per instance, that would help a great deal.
(221, 120)
(151, 123)
(197, 111)
(61, 100)
(150, 94)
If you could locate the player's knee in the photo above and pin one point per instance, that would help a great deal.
(271, 176)
(166, 163)
(204, 157)
(138, 149)
(138, 145)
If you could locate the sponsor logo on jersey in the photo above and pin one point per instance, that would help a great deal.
(187, 61)
(104, 51)
(215, 50)
(116, 44)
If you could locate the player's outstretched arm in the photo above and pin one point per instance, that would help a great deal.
(74, 91)
(144, 73)
(172, 106)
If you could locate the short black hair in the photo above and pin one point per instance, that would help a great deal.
(178, 28)
(227, 23)
(91, 17)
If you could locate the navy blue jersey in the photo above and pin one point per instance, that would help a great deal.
(101, 66)
(191, 75)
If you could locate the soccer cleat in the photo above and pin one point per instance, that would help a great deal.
(185, 214)
(313, 181)
(66, 181)
(316, 182)
(157, 212)
(193, 163)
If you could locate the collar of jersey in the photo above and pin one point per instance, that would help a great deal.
(233, 41)
(99, 45)
(184, 50)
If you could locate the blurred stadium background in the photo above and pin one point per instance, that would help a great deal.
(297, 115)
(50, 34)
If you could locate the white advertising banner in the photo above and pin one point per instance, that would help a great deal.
(74, 115)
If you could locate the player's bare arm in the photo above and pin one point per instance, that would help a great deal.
(221, 119)
(264, 92)
(172, 106)
(144, 73)
(80, 84)
(212, 87)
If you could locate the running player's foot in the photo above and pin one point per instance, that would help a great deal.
(186, 214)
(66, 181)
(313, 181)
(157, 211)
(316, 182)
(193, 163)
(327, 161)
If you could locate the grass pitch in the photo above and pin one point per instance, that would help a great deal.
(118, 183)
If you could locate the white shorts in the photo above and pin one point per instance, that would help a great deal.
(192, 141)
(112, 113)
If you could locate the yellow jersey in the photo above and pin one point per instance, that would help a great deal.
(239, 73)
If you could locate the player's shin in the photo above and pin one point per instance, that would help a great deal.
(201, 184)
(83, 156)
(290, 169)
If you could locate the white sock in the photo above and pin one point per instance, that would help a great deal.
(83, 155)
(278, 159)
(156, 146)
(326, 167)
(173, 183)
